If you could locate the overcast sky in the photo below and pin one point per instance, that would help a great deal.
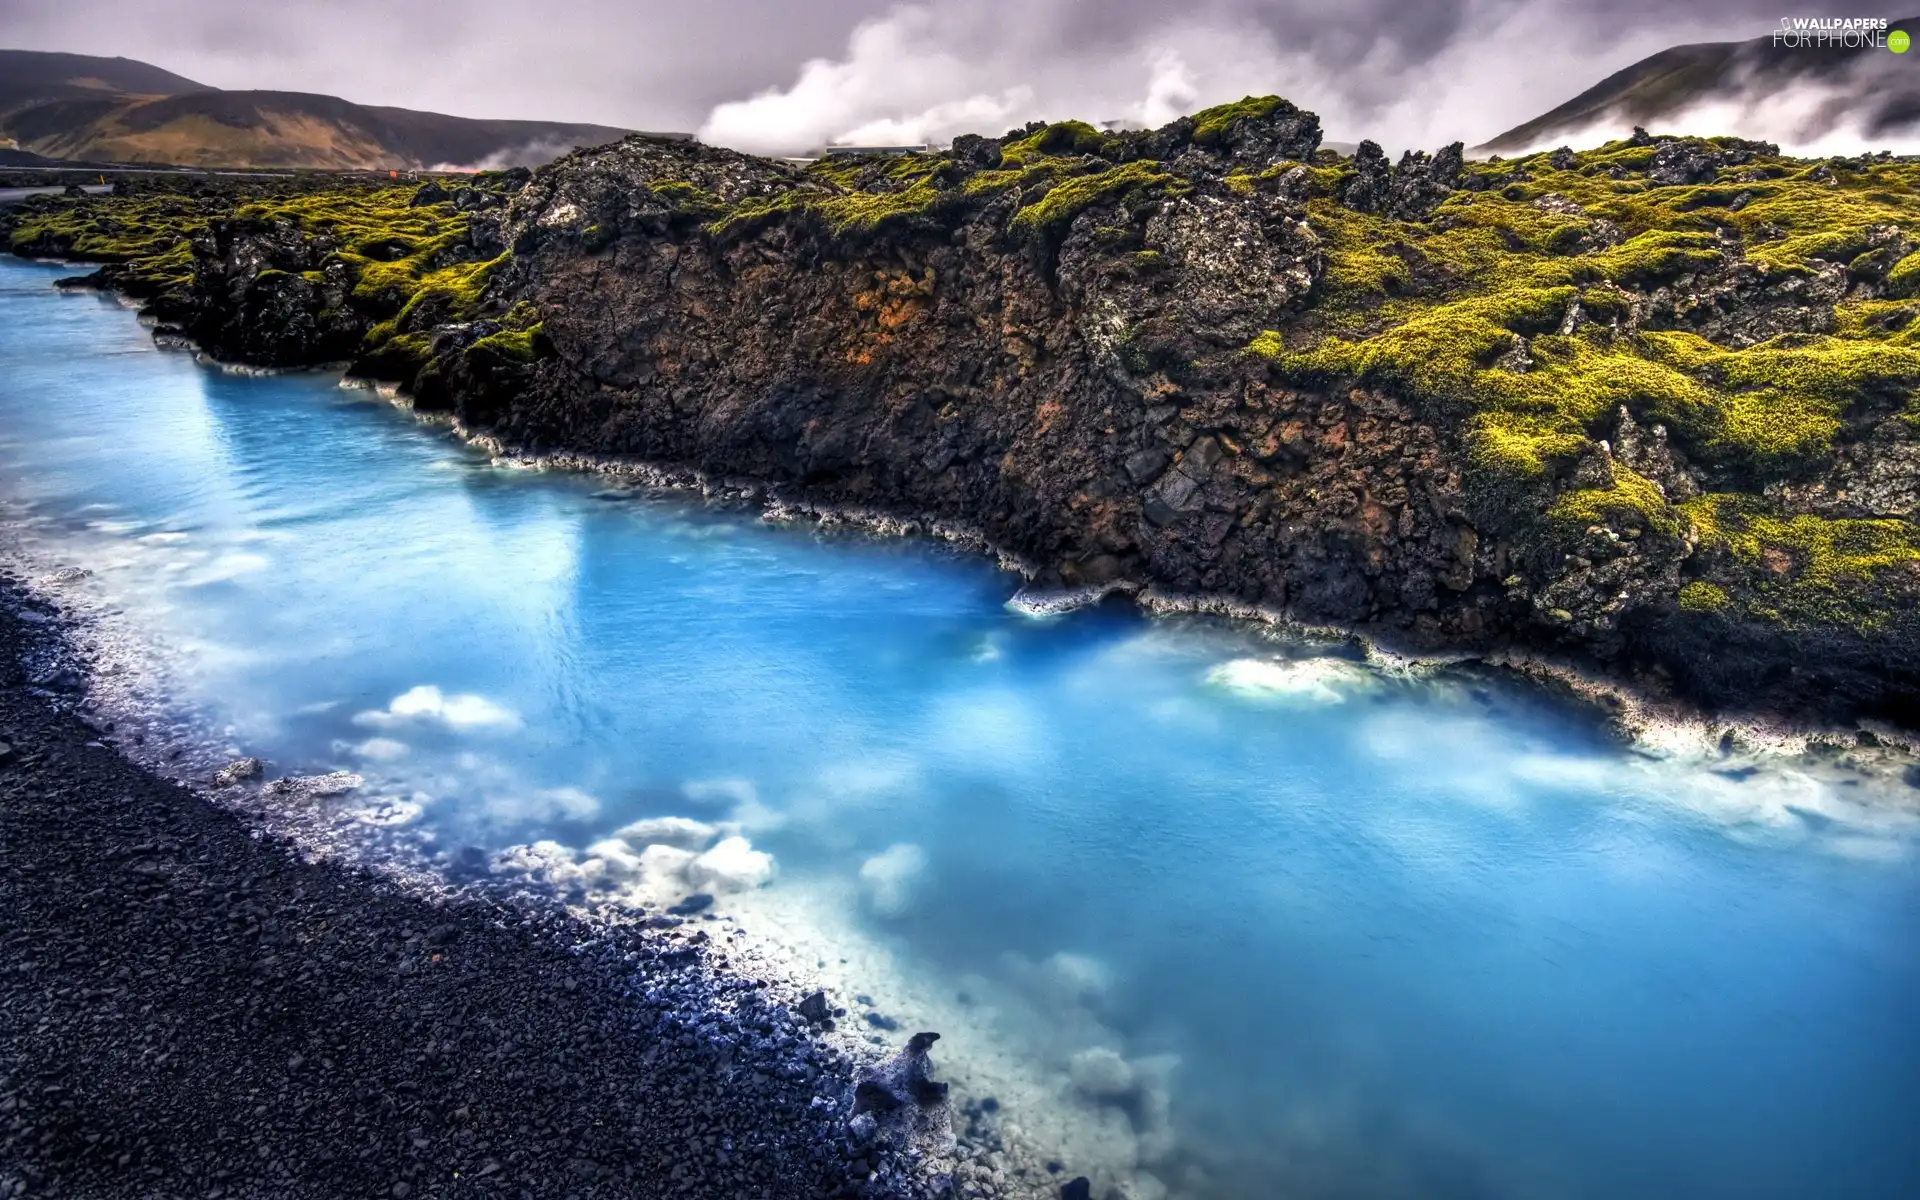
(785, 74)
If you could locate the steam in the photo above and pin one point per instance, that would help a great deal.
(926, 72)
(536, 153)
(1808, 118)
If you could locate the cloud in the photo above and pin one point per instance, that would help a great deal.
(792, 73)
(1405, 75)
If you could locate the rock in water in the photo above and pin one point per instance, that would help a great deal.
(815, 1008)
(901, 1099)
(236, 772)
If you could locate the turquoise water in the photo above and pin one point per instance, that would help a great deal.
(1276, 926)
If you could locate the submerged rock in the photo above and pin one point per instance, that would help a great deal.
(236, 772)
(900, 1102)
(814, 1007)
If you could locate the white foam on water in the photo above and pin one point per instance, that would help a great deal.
(428, 704)
(1014, 1035)
(1029, 1035)
(1043, 603)
(229, 566)
(669, 831)
(890, 876)
(387, 812)
(721, 792)
(1747, 796)
(1307, 681)
(377, 749)
(541, 805)
(613, 870)
(731, 866)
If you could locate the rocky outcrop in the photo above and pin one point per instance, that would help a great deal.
(1410, 190)
(1193, 360)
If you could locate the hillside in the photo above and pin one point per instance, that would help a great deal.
(1872, 90)
(28, 76)
(118, 110)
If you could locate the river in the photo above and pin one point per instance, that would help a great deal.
(1205, 912)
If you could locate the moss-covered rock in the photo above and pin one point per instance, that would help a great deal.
(1656, 401)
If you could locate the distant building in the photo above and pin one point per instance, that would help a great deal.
(834, 151)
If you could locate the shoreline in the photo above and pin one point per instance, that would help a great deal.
(1631, 714)
(398, 1039)
(1017, 1135)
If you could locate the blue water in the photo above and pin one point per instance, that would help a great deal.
(1405, 939)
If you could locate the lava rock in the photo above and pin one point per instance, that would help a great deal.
(815, 1007)
(238, 771)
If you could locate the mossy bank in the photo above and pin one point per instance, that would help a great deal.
(1651, 403)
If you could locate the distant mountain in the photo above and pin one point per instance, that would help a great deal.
(72, 106)
(1870, 90)
(28, 75)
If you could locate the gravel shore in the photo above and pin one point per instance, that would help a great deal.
(189, 1008)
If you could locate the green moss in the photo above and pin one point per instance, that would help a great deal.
(1785, 399)
(1059, 138)
(1649, 259)
(1561, 260)
(511, 345)
(838, 171)
(985, 183)
(1703, 597)
(1904, 279)
(1212, 124)
(688, 198)
(1518, 446)
(147, 236)
(1806, 568)
(842, 212)
(1633, 502)
(457, 289)
(1069, 197)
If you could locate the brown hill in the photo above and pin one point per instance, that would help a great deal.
(117, 110)
(27, 76)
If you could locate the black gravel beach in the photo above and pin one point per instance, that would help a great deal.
(189, 1008)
